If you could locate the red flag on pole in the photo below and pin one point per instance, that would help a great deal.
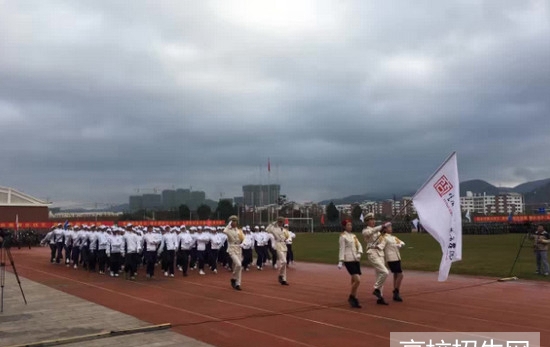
(268, 165)
(323, 219)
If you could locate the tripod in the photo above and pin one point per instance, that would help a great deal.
(516, 260)
(5, 252)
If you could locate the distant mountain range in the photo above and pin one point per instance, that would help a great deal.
(535, 192)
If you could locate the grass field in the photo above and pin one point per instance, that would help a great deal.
(485, 255)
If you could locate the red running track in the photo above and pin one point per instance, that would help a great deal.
(312, 311)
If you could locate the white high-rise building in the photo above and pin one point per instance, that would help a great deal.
(490, 204)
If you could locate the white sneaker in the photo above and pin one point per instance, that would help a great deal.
(75, 267)
(116, 275)
(201, 272)
(112, 274)
(171, 275)
(166, 274)
(276, 266)
(215, 271)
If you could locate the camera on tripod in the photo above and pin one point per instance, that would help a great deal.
(6, 238)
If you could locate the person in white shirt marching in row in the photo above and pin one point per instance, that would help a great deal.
(149, 245)
(247, 246)
(280, 235)
(167, 250)
(114, 252)
(235, 238)
(261, 239)
(350, 255)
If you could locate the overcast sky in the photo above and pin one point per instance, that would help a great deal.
(100, 98)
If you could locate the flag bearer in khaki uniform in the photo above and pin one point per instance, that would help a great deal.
(280, 235)
(376, 242)
(235, 237)
(350, 256)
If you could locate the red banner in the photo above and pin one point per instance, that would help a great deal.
(515, 219)
(156, 223)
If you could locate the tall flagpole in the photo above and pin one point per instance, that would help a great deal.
(269, 190)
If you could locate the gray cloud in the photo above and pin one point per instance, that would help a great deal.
(99, 98)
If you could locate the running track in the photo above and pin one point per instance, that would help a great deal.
(312, 311)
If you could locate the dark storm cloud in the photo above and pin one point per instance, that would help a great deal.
(99, 98)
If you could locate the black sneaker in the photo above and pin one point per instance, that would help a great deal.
(284, 283)
(353, 302)
(377, 294)
(281, 279)
(237, 288)
(381, 301)
(233, 283)
(396, 296)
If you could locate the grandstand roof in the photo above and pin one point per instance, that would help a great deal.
(11, 197)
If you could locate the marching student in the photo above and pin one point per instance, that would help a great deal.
(235, 237)
(193, 256)
(78, 238)
(114, 251)
(59, 237)
(202, 238)
(350, 255)
(216, 243)
(186, 241)
(290, 253)
(150, 243)
(93, 245)
(280, 235)
(51, 242)
(247, 245)
(375, 253)
(260, 238)
(102, 244)
(130, 252)
(168, 245)
(393, 257)
(69, 235)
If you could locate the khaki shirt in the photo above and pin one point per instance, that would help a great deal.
(280, 235)
(235, 237)
(375, 242)
(350, 248)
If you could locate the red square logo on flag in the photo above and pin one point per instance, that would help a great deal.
(443, 186)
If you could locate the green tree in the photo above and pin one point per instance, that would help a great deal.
(225, 209)
(356, 212)
(184, 212)
(204, 212)
(333, 214)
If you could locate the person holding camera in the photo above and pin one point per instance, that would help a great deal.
(350, 256)
(542, 240)
(376, 242)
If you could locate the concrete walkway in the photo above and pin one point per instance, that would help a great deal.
(51, 314)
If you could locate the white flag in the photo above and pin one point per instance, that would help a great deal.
(361, 217)
(468, 216)
(438, 205)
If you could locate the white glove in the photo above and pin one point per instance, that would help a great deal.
(229, 224)
(340, 265)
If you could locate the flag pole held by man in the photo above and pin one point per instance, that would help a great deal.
(438, 205)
